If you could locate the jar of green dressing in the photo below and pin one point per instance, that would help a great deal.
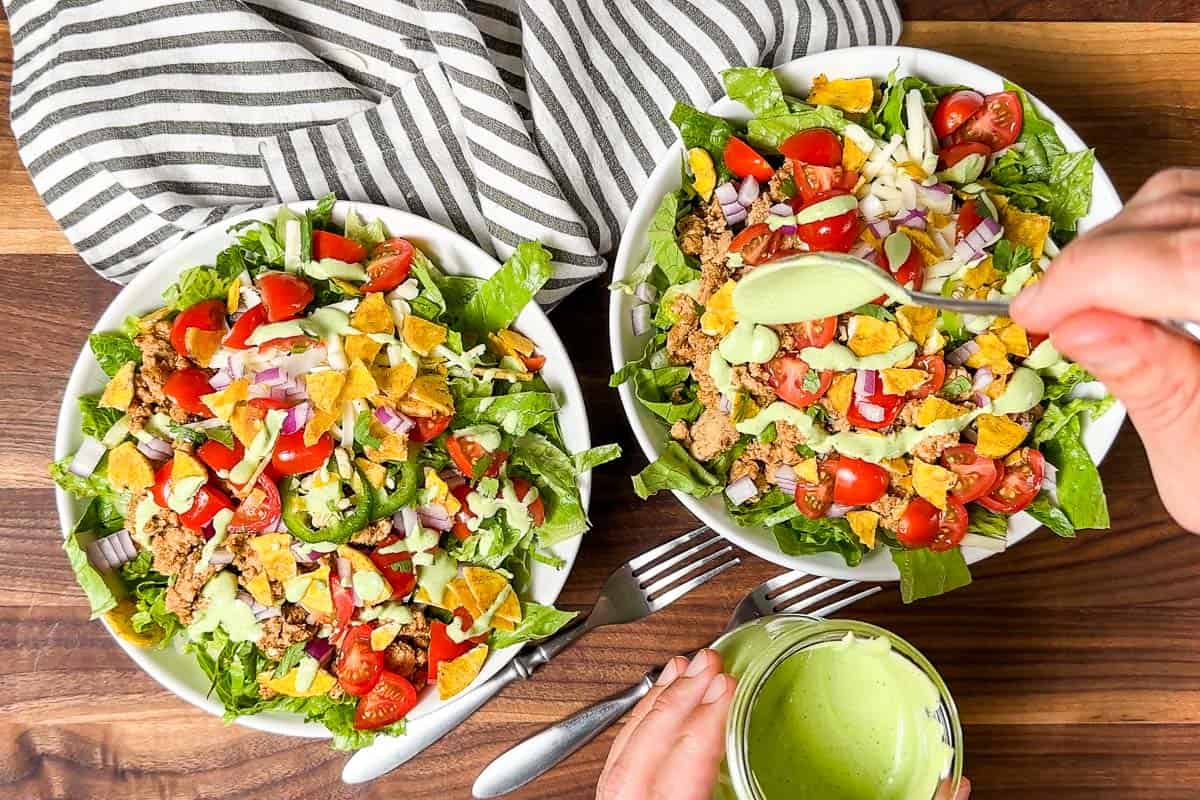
(834, 710)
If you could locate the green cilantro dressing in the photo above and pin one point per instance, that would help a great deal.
(516, 510)
(370, 586)
(481, 625)
(1043, 356)
(328, 268)
(260, 448)
(841, 358)
(486, 436)
(222, 608)
(749, 343)
(434, 577)
(220, 524)
(810, 286)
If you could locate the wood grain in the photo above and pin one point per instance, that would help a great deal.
(1052, 10)
(1074, 663)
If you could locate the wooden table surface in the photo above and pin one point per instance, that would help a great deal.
(1075, 665)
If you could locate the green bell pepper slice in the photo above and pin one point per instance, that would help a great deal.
(295, 517)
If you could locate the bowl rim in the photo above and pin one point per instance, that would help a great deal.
(140, 296)
(874, 61)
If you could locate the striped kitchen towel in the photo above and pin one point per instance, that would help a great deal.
(142, 121)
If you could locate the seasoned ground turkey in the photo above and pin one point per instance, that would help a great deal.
(931, 447)
(374, 533)
(159, 360)
(279, 633)
(712, 434)
(681, 433)
(687, 322)
(407, 661)
(247, 562)
(890, 507)
(416, 631)
(176, 552)
(754, 379)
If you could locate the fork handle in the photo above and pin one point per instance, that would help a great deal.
(545, 749)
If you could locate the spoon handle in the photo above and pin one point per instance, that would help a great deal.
(1183, 327)
(990, 308)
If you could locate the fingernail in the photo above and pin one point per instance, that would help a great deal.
(698, 664)
(716, 689)
(670, 672)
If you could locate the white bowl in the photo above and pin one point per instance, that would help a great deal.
(178, 671)
(796, 76)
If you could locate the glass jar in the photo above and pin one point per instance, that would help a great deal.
(754, 651)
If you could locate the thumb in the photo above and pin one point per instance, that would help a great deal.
(1156, 374)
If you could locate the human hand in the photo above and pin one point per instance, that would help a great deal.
(673, 742)
(1095, 302)
(963, 793)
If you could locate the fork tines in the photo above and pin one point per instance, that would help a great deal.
(673, 569)
(797, 592)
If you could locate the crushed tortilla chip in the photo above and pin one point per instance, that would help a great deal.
(275, 553)
(392, 446)
(128, 469)
(233, 295)
(462, 593)
(286, 685)
(1016, 341)
(922, 241)
(934, 408)
(439, 492)
(871, 336)
(703, 171)
(897, 466)
(384, 635)
(864, 524)
(902, 381)
(996, 387)
(373, 315)
(853, 156)
(346, 288)
(324, 389)
(118, 392)
(485, 585)
(840, 391)
(719, 316)
(245, 422)
(416, 408)
(849, 94)
(1025, 227)
(991, 354)
(223, 402)
(318, 425)
(998, 436)
(317, 597)
(981, 275)
(432, 391)
(510, 343)
(935, 343)
(202, 345)
(932, 482)
(360, 384)
(455, 675)
(120, 618)
(916, 321)
(914, 170)
(376, 475)
(360, 347)
(260, 589)
(184, 466)
(807, 471)
(422, 335)
(396, 381)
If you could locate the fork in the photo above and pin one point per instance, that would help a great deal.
(643, 585)
(787, 593)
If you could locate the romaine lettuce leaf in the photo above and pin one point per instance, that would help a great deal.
(94, 420)
(554, 473)
(369, 236)
(986, 523)
(95, 485)
(1058, 414)
(664, 247)
(1071, 177)
(654, 389)
(676, 469)
(768, 133)
(537, 622)
(756, 88)
(196, 284)
(698, 129)
(430, 303)
(1060, 385)
(113, 351)
(1044, 511)
(924, 573)
(515, 413)
(801, 536)
(100, 596)
(1080, 492)
(590, 459)
(500, 298)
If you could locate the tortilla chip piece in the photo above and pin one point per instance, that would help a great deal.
(233, 295)
(318, 425)
(421, 334)
(509, 611)
(806, 470)
(934, 343)
(510, 343)
(360, 347)
(359, 384)
(202, 345)
(120, 618)
(991, 354)
(118, 392)
(901, 381)
(245, 423)
(485, 585)
(462, 593)
(981, 275)
(373, 315)
(864, 524)
(376, 474)
(455, 675)
(1016, 341)
(322, 682)
(719, 315)
(934, 408)
(840, 391)
(392, 446)
(897, 466)
(396, 381)
(450, 598)
(916, 321)
(998, 436)
(872, 336)
(932, 482)
(853, 156)
(275, 552)
(384, 635)
(996, 387)
(849, 94)
(222, 403)
(128, 469)
(185, 466)
(259, 588)
(922, 241)
(324, 389)
(1025, 227)
(432, 391)
(317, 597)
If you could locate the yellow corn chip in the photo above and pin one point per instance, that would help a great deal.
(871, 336)
(318, 425)
(421, 334)
(392, 446)
(934, 343)
(981, 275)
(360, 347)
(359, 384)
(840, 391)
(118, 392)
(432, 391)
(996, 387)
(897, 466)
(510, 343)
(317, 597)
(864, 524)
(992, 354)
(274, 551)
(901, 381)
(934, 408)
(347, 288)
(396, 381)
(324, 389)
(998, 436)
(233, 296)
(462, 593)
(509, 611)
(455, 675)
(322, 682)
(921, 240)
(932, 482)
(450, 598)
(719, 316)
(222, 403)
(245, 423)
(201, 344)
(1025, 227)
(916, 321)
(120, 618)
(185, 466)
(128, 469)
(384, 635)
(259, 588)
(853, 156)
(485, 585)
(376, 474)
(703, 172)
(849, 94)
(807, 471)
(373, 315)
(1013, 335)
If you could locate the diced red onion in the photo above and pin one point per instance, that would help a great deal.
(871, 412)
(220, 379)
(986, 233)
(1050, 478)
(726, 193)
(983, 376)
(207, 530)
(111, 551)
(913, 218)
(272, 376)
(959, 355)
(866, 382)
(732, 208)
(435, 517)
(838, 510)
(646, 292)
(980, 399)
(863, 250)
(304, 555)
(320, 649)
(279, 393)
(749, 190)
(741, 490)
(267, 613)
(155, 449)
(724, 405)
(296, 418)
(786, 230)
(965, 252)
(236, 364)
(881, 228)
(87, 457)
(221, 557)
(393, 420)
(405, 520)
(639, 317)
(735, 217)
(782, 210)
(343, 570)
(785, 478)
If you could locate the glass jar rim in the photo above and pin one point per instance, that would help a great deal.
(788, 643)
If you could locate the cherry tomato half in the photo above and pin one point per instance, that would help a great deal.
(343, 607)
(997, 124)
(330, 245)
(968, 218)
(428, 428)
(186, 386)
(466, 453)
(218, 456)
(743, 160)
(918, 524)
(814, 499)
(874, 411)
(537, 511)
(952, 526)
(1020, 483)
(819, 146)
(293, 457)
(753, 242)
(813, 179)
(858, 483)
(358, 667)
(975, 475)
(390, 264)
(244, 326)
(260, 510)
(911, 271)
(207, 315)
(284, 295)
(396, 567)
(813, 333)
(952, 154)
(835, 234)
(787, 378)
(389, 701)
(954, 109)
(935, 365)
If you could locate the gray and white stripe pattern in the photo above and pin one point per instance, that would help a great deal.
(141, 122)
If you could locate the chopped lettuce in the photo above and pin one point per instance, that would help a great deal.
(100, 596)
(555, 475)
(655, 389)
(698, 129)
(113, 351)
(498, 301)
(195, 284)
(94, 420)
(590, 459)
(664, 245)
(924, 573)
(756, 88)
(1080, 493)
(430, 303)
(1007, 256)
(676, 469)
(801, 536)
(986, 523)
(1046, 512)
(515, 413)
(537, 622)
(768, 133)
(1064, 382)
(369, 236)
(149, 591)
(1071, 177)
(886, 119)
(1057, 415)
(95, 485)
